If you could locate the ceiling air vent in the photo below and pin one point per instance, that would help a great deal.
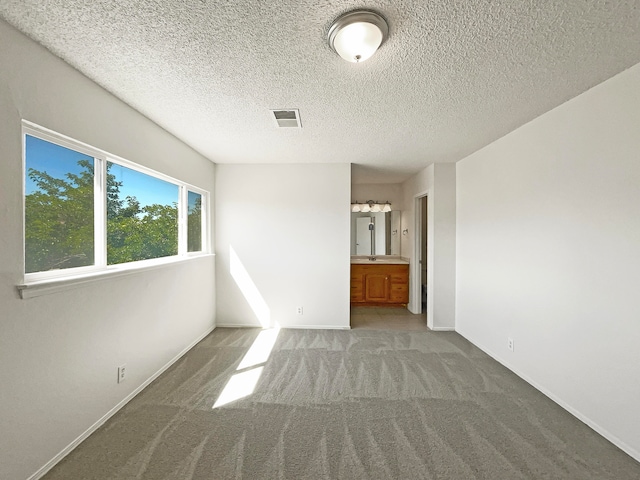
(287, 118)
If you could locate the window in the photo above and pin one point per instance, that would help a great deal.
(59, 223)
(194, 222)
(86, 210)
(142, 216)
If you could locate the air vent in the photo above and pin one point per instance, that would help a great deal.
(287, 118)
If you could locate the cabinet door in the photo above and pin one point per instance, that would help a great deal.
(399, 284)
(376, 287)
(357, 287)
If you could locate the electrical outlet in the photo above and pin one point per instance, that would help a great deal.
(299, 310)
(510, 344)
(122, 373)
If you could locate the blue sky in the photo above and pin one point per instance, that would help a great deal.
(40, 154)
(57, 161)
(148, 190)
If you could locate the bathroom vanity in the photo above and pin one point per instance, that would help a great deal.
(380, 282)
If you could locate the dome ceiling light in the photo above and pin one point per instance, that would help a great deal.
(357, 35)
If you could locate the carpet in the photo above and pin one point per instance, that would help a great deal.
(329, 404)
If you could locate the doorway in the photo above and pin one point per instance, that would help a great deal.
(387, 318)
(421, 286)
(423, 252)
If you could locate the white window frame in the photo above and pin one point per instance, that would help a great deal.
(100, 211)
(204, 212)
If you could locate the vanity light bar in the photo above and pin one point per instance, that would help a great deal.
(371, 206)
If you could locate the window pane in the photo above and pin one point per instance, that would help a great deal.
(194, 222)
(59, 229)
(142, 216)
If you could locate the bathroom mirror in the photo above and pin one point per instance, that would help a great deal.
(375, 233)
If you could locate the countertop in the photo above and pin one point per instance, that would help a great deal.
(379, 259)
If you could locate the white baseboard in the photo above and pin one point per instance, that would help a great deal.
(52, 463)
(443, 329)
(316, 327)
(584, 419)
(237, 325)
(300, 327)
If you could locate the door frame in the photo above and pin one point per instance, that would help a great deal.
(415, 302)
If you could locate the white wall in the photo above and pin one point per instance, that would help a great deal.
(548, 253)
(383, 192)
(289, 226)
(439, 181)
(59, 353)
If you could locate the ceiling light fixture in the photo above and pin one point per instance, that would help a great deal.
(357, 35)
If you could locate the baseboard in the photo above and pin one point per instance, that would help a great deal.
(301, 327)
(316, 327)
(69, 448)
(635, 454)
(443, 329)
(237, 325)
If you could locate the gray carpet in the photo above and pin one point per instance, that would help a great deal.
(359, 404)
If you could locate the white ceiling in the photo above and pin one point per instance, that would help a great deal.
(453, 76)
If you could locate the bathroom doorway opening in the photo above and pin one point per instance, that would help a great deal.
(423, 243)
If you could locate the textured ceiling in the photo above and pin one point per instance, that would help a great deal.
(453, 76)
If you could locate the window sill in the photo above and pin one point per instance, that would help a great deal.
(48, 286)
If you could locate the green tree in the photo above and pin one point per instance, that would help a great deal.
(59, 223)
(140, 233)
(194, 227)
(59, 220)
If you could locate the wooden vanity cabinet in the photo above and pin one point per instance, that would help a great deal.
(381, 284)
